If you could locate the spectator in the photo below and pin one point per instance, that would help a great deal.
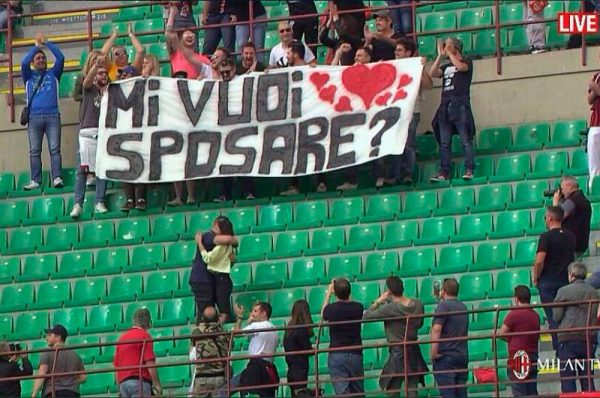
(383, 41)
(241, 9)
(402, 18)
(394, 304)
(402, 166)
(279, 55)
(450, 357)
(249, 63)
(207, 346)
(555, 251)
(9, 367)
(150, 66)
(216, 12)
(41, 88)
(94, 87)
(536, 32)
(593, 138)
(354, 22)
(350, 42)
(263, 344)
(346, 361)
(90, 60)
(137, 382)
(184, 14)
(522, 319)
(578, 212)
(575, 346)
(15, 9)
(454, 114)
(120, 57)
(304, 28)
(202, 282)
(298, 339)
(60, 360)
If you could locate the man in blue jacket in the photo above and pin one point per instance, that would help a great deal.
(42, 100)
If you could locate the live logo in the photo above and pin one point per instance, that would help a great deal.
(577, 22)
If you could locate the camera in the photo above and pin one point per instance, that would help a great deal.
(548, 193)
(14, 347)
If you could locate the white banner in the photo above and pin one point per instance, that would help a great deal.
(287, 122)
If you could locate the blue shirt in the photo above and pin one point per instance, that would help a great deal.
(199, 272)
(456, 325)
(45, 101)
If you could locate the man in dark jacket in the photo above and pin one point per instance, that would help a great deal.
(578, 212)
(9, 367)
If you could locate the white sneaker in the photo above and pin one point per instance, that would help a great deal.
(58, 183)
(379, 182)
(90, 180)
(100, 208)
(31, 186)
(250, 197)
(77, 210)
(321, 187)
(347, 187)
(291, 191)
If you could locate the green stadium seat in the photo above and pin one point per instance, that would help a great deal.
(123, 288)
(489, 320)
(24, 240)
(326, 241)
(149, 25)
(478, 349)
(203, 221)
(60, 237)
(174, 376)
(362, 238)
(491, 255)
(306, 272)
(417, 262)
(67, 84)
(475, 286)
(436, 21)
(179, 255)
(131, 231)
(436, 230)
(555, 39)
(107, 352)
(151, 306)
(511, 224)
(162, 347)
(88, 292)
(427, 146)
(538, 222)
(176, 312)
(453, 259)
(492, 198)
(106, 29)
(269, 276)
(6, 325)
(13, 212)
(418, 204)
(45, 210)
(165, 70)
(3, 240)
(88, 209)
(7, 182)
(9, 268)
(159, 50)
(473, 227)
(512, 12)
(382, 208)
(289, 244)
(518, 43)
(283, 301)
(146, 257)
(494, 140)
(16, 297)
(372, 330)
(52, 294)
(524, 253)
(485, 42)
(271, 39)
(247, 300)
(103, 318)
(309, 214)
(23, 179)
(567, 133)
(475, 17)
(315, 298)
(160, 285)
(579, 163)
(365, 293)
(131, 13)
(528, 194)
(71, 318)
(379, 265)
(274, 218)
(427, 171)
(110, 261)
(345, 211)
(182, 346)
(549, 164)
(427, 46)
(455, 201)
(569, 6)
(241, 276)
(512, 168)
(98, 383)
(506, 282)
(254, 247)
(531, 136)
(166, 228)
(29, 325)
(399, 234)
(243, 219)
(344, 267)
(37, 268)
(96, 234)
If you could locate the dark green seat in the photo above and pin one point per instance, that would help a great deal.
(528, 194)
(52, 294)
(555, 39)
(382, 208)
(177, 311)
(7, 183)
(131, 14)
(131, 231)
(450, 5)
(283, 301)
(67, 84)
(417, 262)
(549, 164)
(518, 42)
(309, 214)
(512, 12)
(427, 146)
(455, 201)
(473, 227)
(149, 25)
(437, 21)
(24, 240)
(511, 224)
(436, 230)
(269, 276)
(103, 318)
(492, 318)
(45, 210)
(274, 218)
(478, 349)
(326, 241)
(473, 17)
(453, 259)
(167, 228)
(531, 136)
(107, 352)
(16, 297)
(248, 300)
(110, 261)
(71, 319)
(289, 244)
(146, 257)
(492, 198)
(484, 167)
(203, 221)
(9, 268)
(427, 47)
(345, 211)
(567, 133)
(160, 285)
(494, 140)
(123, 288)
(37, 268)
(60, 237)
(6, 325)
(179, 254)
(243, 219)
(241, 276)
(399, 234)
(29, 325)
(538, 222)
(365, 293)
(254, 247)
(579, 163)
(344, 267)
(507, 280)
(511, 168)
(485, 42)
(475, 286)
(418, 204)
(524, 253)
(98, 383)
(491, 256)
(379, 265)
(88, 292)
(306, 272)
(96, 234)
(315, 298)
(159, 50)
(362, 238)
(13, 212)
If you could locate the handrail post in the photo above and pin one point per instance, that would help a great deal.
(583, 36)
(317, 342)
(11, 85)
(228, 363)
(250, 21)
(498, 41)
(590, 364)
(89, 29)
(494, 341)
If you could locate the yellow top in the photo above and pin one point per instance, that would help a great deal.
(217, 259)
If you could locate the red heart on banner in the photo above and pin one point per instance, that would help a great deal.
(319, 79)
(343, 105)
(367, 82)
(383, 99)
(327, 93)
(405, 80)
(400, 95)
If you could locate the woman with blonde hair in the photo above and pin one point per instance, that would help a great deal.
(150, 66)
(89, 62)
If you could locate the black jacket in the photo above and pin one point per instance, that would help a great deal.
(11, 369)
(579, 221)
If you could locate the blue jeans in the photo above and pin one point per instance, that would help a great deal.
(521, 389)
(37, 127)
(457, 120)
(80, 186)
(447, 380)
(575, 350)
(131, 388)
(402, 19)
(212, 37)
(548, 291)
(403, 165)
(344, 365)
(259, 30)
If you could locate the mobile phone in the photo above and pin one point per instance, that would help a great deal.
(436, 288)
(14, 347)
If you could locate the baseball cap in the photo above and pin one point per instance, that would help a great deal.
(58, 330)
(381, 14)
(130, 70)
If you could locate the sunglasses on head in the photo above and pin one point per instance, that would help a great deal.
(285, 30)
(118, 53)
